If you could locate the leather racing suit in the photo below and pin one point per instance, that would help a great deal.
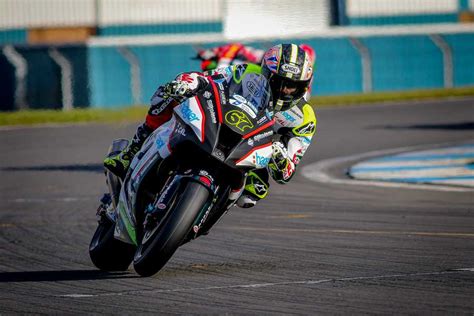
(295, 127)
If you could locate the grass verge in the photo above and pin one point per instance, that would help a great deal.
(33, 117)
(378, 97)
(137, 113)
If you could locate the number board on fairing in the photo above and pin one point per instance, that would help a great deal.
(239, 119)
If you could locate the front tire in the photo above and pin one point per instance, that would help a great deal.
(151, 256)
(108, 253)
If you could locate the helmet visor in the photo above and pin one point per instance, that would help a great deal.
(287, 91)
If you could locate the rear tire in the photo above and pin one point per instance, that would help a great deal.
(108, 253)
(155, 253)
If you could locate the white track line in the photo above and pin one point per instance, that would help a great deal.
(319, 171)
(48, 200)
(262, 285)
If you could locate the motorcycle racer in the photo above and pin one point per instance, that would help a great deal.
(237, 53)
(289, 70)
(229, 54)
(291, 74)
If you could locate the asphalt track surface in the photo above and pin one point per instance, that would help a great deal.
(310, 248)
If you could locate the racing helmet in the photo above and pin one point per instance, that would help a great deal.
(289, 70)
(311, 53)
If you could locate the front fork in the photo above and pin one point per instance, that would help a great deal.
(157, 210)
(114, 184)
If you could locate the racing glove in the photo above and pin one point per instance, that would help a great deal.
(281, 167)
(185, 86)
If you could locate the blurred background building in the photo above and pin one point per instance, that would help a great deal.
(110, 53)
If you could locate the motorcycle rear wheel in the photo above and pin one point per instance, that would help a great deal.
(151, 256)
(108, 253)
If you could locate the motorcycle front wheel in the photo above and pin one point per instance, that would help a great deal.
(153, 254)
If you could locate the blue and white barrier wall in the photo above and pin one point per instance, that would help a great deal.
(346, 63)
(447, 166)
(118, 72)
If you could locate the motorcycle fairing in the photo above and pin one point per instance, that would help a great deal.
(200, 120)
(258, 157)
(153, 150)
(125, 224)
(191, 112)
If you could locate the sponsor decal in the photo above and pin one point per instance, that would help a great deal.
(239, 72)
(221, 92)
(223, 98)
(238, 119)
(238, 99)
(197, 227)
(161, 206)
(261, 136)
(188, 114)
(253, 89)
(250, 142)
(262, 120)
(180, 129)
(246, 109)
(296, 112)
(160, 143)
(281, 121)
(288, 117)
(240, 102)
(210, 107)
(261, 161)
(260, 188)
(155, 101)
(306, 129)
(269, 114)
(207, 95)
(291, 68)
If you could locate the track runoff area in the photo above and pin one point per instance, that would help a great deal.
(442, 167)
(452, 165)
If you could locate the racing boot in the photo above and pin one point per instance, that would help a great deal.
(119, 163)
(256, 188)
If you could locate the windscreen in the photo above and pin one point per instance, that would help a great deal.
(251, 91)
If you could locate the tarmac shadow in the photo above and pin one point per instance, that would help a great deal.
(62, 275)
(97, 168)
